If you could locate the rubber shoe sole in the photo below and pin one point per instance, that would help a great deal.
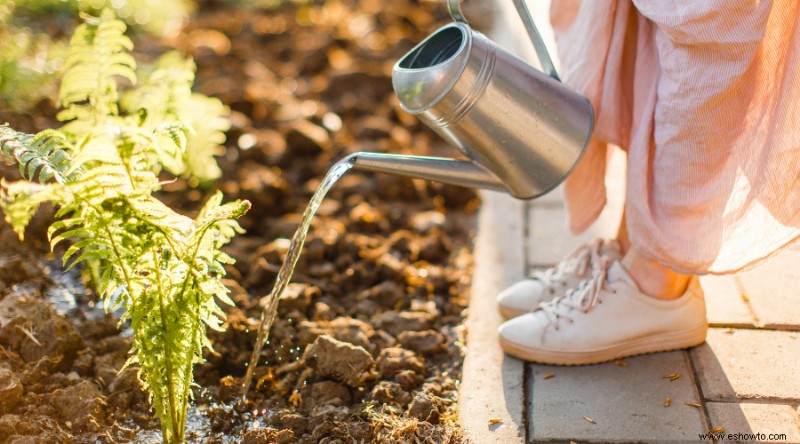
(625, 349)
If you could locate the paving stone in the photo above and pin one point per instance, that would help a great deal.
(749, 364)
(492, 383)
(766, 420)
(626, 403)
(549, 240)
(724, 304)
(773, 291)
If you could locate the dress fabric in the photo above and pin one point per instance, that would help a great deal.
(705, 98)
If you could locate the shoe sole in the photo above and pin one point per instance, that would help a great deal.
(633, 347)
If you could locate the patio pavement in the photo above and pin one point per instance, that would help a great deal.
(743, 379)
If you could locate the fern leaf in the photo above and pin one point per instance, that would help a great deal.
(20, 200)
(98, 51)
(208, 119)
(41, 157)
(163, 90)
(165, 96)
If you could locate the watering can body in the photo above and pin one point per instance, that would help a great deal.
(523, 130)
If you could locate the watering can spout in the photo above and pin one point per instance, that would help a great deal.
(455, 172)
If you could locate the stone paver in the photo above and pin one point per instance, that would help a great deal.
(548, 239)
(491, 382)
(724, 303)
(772, 290)
(627, 403)
(749, 364)
(766, 420)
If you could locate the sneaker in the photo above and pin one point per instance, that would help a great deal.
(606, 318)
(544, 285)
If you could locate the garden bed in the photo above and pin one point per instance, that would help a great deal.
(367, 345)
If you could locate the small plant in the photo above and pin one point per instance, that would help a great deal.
(100, 169)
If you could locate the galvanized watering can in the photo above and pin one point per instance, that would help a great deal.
(522, 129)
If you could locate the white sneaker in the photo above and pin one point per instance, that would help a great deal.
(544, 285)
(606, 318)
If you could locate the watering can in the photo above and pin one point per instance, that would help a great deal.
(522, 130)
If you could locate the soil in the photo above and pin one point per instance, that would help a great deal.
(367, 346)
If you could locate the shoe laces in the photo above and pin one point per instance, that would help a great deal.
(583, 298)
(579, 260)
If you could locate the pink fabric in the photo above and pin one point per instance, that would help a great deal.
(705, 98)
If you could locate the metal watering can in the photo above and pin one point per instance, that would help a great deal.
(522, 129)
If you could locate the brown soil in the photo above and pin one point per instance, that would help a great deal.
(366, 347)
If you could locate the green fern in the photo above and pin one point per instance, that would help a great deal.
(162, 268)
(98, 51)
(166, 93)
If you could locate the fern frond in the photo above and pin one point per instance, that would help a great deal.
(163, 95)
(208, 119)
(98, 51)
(41, 158)
(20, 200)
(163, 90)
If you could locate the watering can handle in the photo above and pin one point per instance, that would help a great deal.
(454, 7)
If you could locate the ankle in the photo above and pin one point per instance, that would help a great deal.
(654, 279)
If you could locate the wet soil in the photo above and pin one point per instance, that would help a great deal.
(367, 346)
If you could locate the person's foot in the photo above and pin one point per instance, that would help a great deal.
(606, 318)
(542, 286)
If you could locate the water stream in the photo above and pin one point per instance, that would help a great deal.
(286, 270)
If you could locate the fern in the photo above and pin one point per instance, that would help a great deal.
(163, 269)
(98, 51)
(165, 93)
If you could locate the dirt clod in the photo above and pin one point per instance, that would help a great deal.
(37, 331)
(10, 390)
(387, 392)
(328, 393)
(425, 408)
(342, 361)
(423, 342)
(297, 297)
(395, 322)
(392, 361)
(229, 388)
(409, 379)
(259, 436)
(82, 405)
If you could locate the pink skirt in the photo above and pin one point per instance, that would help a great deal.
(705, 98)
